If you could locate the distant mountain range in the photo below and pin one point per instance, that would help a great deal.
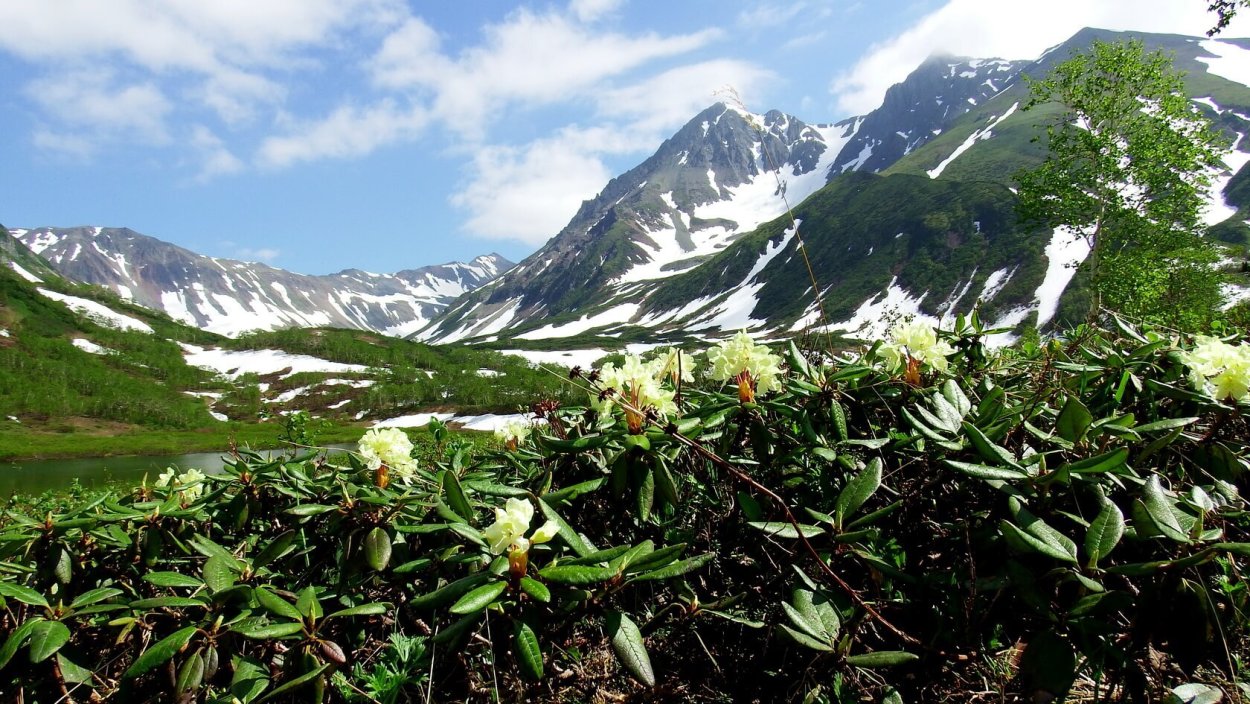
(907, 210)
(904, 211)
(228, 297)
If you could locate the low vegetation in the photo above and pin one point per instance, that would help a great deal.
(924, 521)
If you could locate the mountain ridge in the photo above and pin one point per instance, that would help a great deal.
(231, 296)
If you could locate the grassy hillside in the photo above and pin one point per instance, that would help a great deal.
(862, 231)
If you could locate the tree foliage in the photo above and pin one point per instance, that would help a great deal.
(1128, 167)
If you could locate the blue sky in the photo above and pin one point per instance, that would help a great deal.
(318, 135)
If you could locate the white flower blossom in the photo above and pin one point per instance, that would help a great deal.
(390, 447)
(915, 340)
(190, 484)
(513, 433)
(1220, 369)
(637, 386)
(755, 368)
(512, 522)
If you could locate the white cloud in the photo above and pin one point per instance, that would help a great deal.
(226, 45)
(92, 100)
(349, 132)
(1015, 30)
(591, 10)
(528, 193)
(70, 145)
(669, 99)
(216, 159)
(529, 59)
(263, 254)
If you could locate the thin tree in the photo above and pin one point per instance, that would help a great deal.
(1128, 167)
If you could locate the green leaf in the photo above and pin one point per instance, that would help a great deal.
(1074, 420)
(456, 498)
(308, 604)
(161, 652)
(377, 548)
(297, 682)
(989, 451)
(570, 536)
(1106, 462)
(219, 573)
(266, 631)
(276, 548)
(816, 609)
(94, 596)
(577, 574)
(18, 638)
(172, 579)
(810, 628)
(276, 604)
(479, 598)
(628, 645)
(250, 678)
(529, 653)
(657, 559)
(447, 593)
(981, 471)
(26, 595)
(646, 494)
(208, 548)
(1027, 542)
(882, 658)
(536, 589)
(783, 529)
(957, 397)
(804, 639)
(857, 491)
(677, 568)
(1160, 509)
(167, 602)
(310, 509)
(46, 638)
(838, 413)
(375, 609)
(1166, 424)
(1104, 533)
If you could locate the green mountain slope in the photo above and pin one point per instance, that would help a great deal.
(864, 233)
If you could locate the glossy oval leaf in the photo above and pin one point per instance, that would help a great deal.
(1104, 533)
(529, 653)
(629, 647)
(160, 652)
(377, 547)
(882, 658)
(46, 638)
(857, 491)
(782, 529)
(479, 598)
(535, 589)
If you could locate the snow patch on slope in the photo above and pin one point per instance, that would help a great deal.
(98, 313)
(234, 363)
(24, 273)
(616, 315)
(979, 135)
(1065, 250)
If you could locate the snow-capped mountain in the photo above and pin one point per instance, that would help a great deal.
(929, 100)
(230, 297)
(719, 177)
(697, 237)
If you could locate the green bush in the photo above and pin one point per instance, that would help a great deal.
(907, 525)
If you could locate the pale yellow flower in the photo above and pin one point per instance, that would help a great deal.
(190, 484)
(390, 447)
(755, 368)
(916, 340)
(511, 524)
(637, 386)
(513, 433)
(1220, 369)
